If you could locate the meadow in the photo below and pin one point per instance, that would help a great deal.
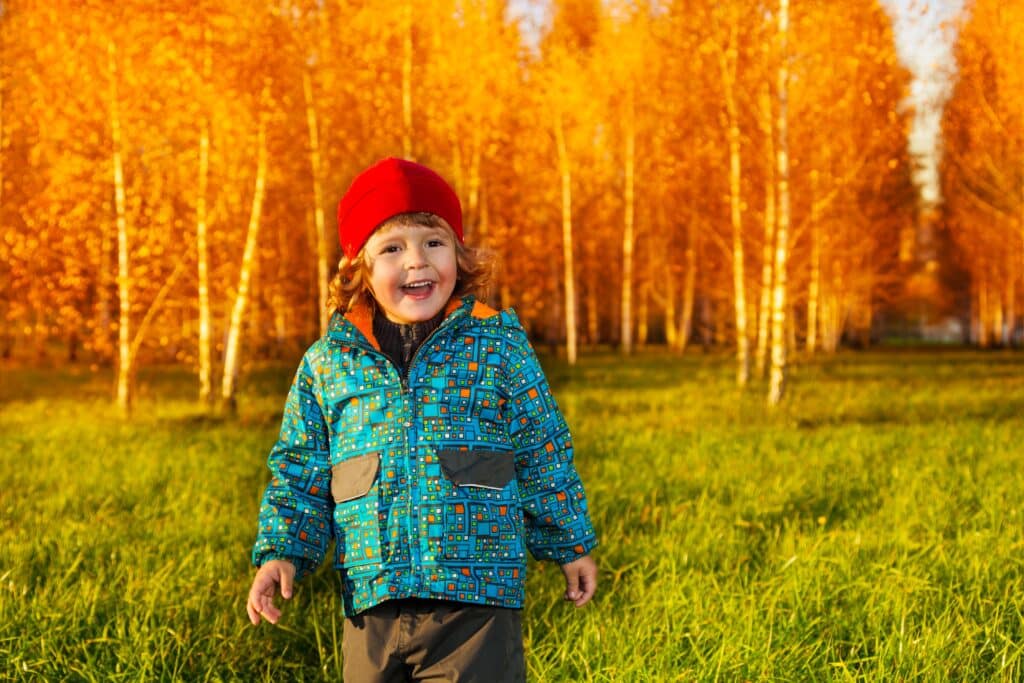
(870, 529)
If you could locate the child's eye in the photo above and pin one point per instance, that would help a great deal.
(436, 243)
(389, 249)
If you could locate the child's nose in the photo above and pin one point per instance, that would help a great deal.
(415, 257)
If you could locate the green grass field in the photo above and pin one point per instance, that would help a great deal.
(870, 529)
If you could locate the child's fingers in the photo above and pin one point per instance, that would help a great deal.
(286, 584)
(254, 615)
(572, 585)
(268, 611)
(261, 595)
(588, 586)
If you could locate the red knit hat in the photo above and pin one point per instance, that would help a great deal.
(390, 187)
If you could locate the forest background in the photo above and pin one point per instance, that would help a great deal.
(642, 173)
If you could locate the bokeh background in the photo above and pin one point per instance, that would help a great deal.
(643, 173)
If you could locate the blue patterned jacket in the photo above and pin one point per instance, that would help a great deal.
(433, 484)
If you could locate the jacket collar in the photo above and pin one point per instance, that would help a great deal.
(356, 326)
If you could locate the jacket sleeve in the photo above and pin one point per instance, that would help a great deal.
(558, 526)
(295, 521)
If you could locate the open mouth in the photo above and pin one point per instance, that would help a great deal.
(419, 289)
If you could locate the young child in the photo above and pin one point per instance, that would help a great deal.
(420, 434)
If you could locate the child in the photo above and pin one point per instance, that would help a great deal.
(420, 434)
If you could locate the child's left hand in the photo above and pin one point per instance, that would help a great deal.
(580, 580)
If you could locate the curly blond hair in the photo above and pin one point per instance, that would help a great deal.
(350, 285)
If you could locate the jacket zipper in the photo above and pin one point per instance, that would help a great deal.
(403, 378)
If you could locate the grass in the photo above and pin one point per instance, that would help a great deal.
(869, 530)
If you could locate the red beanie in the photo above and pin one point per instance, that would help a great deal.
(390, 187)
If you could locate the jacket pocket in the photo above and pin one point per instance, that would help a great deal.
(478, 468)
(353, 478)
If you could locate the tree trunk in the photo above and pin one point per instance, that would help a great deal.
(768, 248)
(124, 356)
(283, 313)
(322, 276)
(231, 346)
(814, 284)
(642, 313)
(569, 276)
(729, 66)
(689, 284)
(626, 321)
(203, 255)
(777, 381)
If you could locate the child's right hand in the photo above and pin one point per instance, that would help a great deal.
(261, 595)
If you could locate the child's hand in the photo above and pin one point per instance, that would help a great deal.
(580, 580)
(261, 595)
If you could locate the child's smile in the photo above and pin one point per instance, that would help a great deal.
(412, 271)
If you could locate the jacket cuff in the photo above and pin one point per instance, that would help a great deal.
(566, 554)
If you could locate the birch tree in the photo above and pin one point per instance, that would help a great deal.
(241, 301)
(777, 378)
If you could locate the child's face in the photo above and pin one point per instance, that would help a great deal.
(413, 270)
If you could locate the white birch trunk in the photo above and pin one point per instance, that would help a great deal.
(729, 66)
(689, 285)
(283, 312)
(322, 276)
(626, 321)
(777, 381)
(768, 249)
(231, 347)
(569, 277)
(124, 355)
(814, 284)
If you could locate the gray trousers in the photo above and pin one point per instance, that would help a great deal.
(434, 640)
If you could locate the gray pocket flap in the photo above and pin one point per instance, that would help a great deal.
(484, 469)
(353, 478)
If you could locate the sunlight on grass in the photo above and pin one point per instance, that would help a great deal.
(868, 530)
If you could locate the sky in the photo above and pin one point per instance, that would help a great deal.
(924, 39)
